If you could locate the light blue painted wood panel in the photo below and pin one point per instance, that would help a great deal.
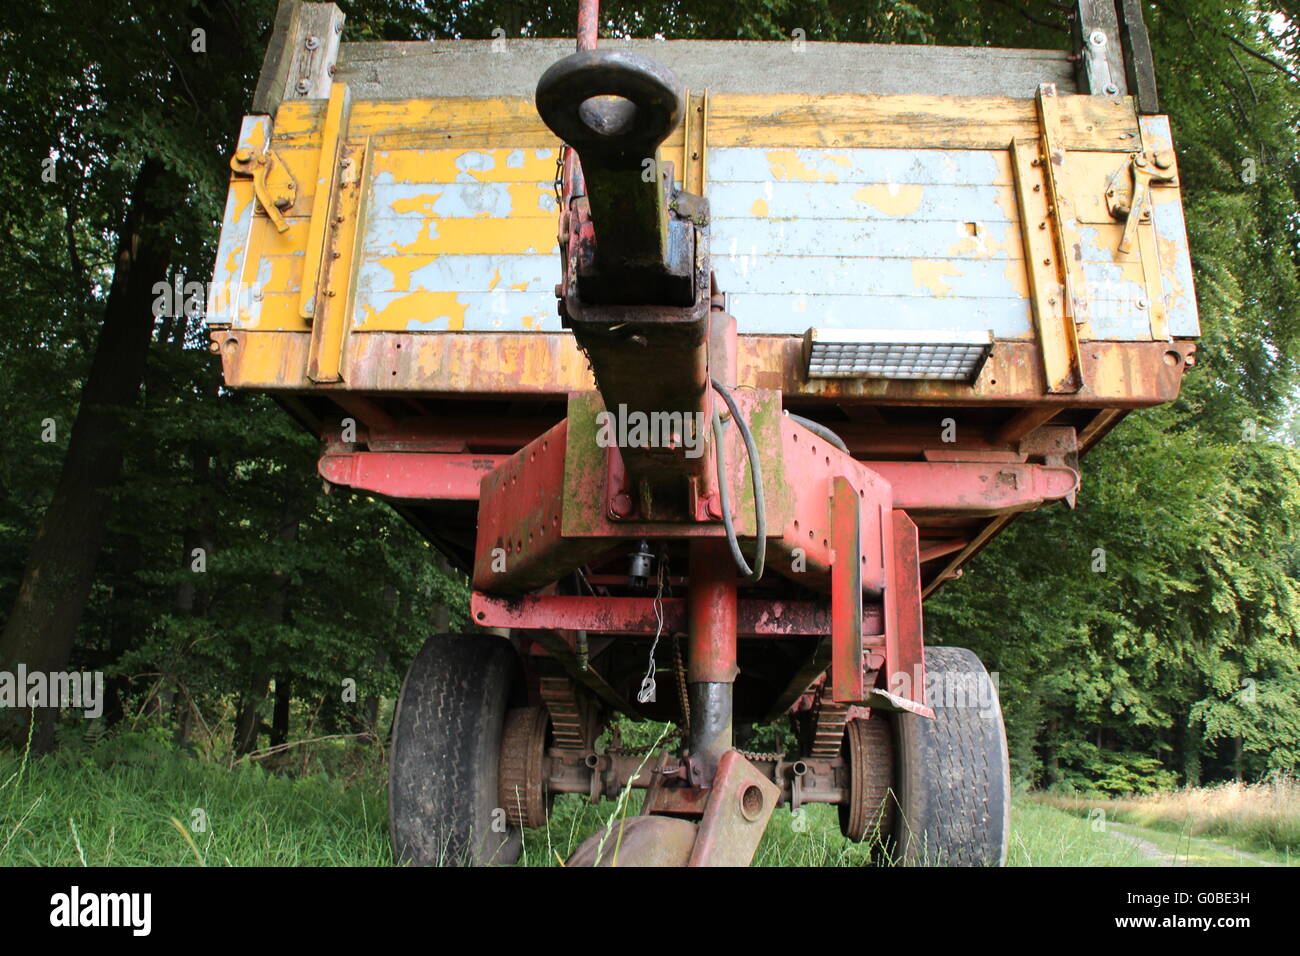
(795, 314)
(461, 200)
(911, 166)
(1176, 259)
(778, 200)
(462, 273)
(875, 238)
(828, 275)
(226, 295)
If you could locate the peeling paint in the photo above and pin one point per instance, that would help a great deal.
(789, 164)
(891, 198)
(930, 275)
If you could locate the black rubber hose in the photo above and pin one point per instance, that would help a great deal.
(821, 431)
(756, 476)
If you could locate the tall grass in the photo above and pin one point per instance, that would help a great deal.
(132, 802)
(135, 800)
(1264, 815)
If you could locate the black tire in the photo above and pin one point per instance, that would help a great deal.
(952, 775)
(443, 771)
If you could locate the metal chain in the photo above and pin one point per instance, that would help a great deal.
(559, 176)
(681, 684)
(761, 757)
(638, 751)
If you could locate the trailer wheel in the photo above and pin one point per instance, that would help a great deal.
(443, 801)
(952, 778)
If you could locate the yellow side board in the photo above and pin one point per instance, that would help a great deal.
(461, 218)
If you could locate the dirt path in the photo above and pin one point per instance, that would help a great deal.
(1185, 851)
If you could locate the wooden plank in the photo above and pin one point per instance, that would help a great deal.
(1057, 336)
(302, 55)
(1100, 67)
(692, 170)
(789, 121)
(442, 68)
(548, 365)
(336, 129)
(1139, 65)
(325, 358)
(862, 202)
(275, 64)
(972, 238)
(912, 167)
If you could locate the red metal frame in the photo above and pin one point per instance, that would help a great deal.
(404, 476)
(711, 613)
(755, 617)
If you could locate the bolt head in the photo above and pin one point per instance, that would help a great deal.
(1097, 38)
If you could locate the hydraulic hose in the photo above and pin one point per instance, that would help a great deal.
(756, 476)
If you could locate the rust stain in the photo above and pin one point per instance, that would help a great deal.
(760, 208)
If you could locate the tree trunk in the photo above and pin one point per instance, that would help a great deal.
(280, 716)
(1192, 745)
(248, 724)
(60, 566)
(248, 720)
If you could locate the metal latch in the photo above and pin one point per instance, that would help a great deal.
(273, 183)
(1131, 200)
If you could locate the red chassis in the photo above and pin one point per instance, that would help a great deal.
(558, 520)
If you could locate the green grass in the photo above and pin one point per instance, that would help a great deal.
(127, 803)
(131, 801)
(1046, 836)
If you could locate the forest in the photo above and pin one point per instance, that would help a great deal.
(174, 535)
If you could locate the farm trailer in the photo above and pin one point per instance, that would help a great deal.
(708, 362)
